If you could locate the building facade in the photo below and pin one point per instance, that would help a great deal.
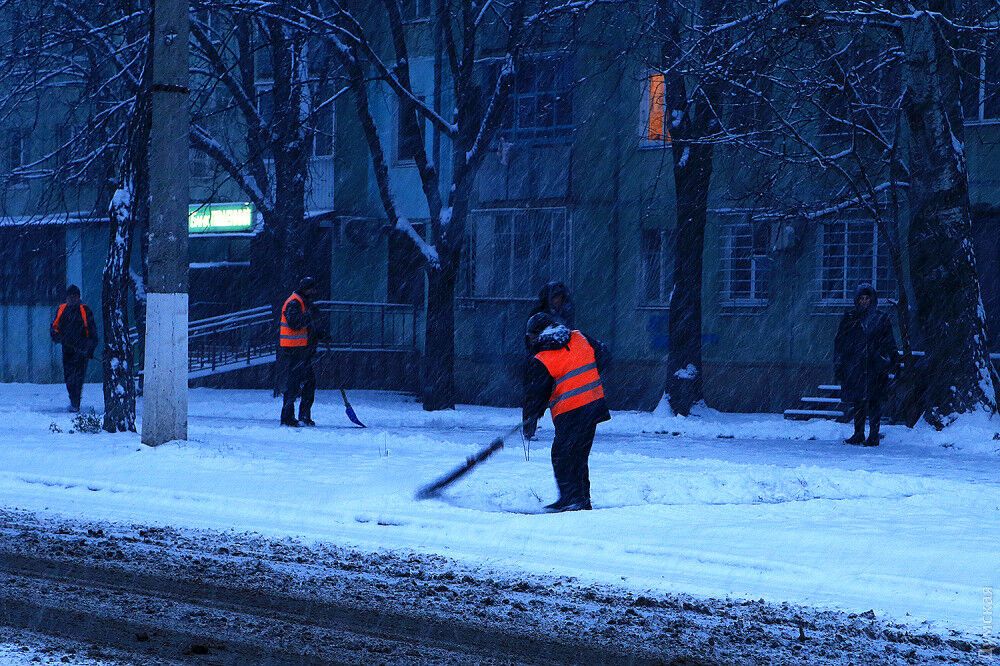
(578, 188)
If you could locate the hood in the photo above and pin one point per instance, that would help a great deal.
(866, 288)
(550, 290)
(555, 336)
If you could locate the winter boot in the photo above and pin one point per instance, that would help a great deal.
(873, 438)
(558, 505)
(288, 417)
(855, 439)
(305, 416)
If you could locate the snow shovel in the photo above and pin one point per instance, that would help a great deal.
(434, 489)
(350, 410)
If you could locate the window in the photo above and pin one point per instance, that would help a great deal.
(980, 76)
(655, 129)
(417, 10)
(541, 104)
(515, 251)
(265, 102)
(32, 265)
(322, 137)
(201, 168)
(853, 252)
(657, 266)
(745, 264)
(406, 142)
(15, 149)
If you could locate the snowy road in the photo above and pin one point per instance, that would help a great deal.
(747, 507)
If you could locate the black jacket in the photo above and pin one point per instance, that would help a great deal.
(538, 385)
(311, 319)
(72, 335)
(864, 353)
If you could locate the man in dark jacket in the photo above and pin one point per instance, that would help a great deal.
(564, 375)
(73, 328)
(864, 353)
(301, 330)
(554, 299)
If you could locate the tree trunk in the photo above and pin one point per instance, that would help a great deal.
(119, 381)
(692, 177)
(959, 374)
(691, 120)
(438, 385)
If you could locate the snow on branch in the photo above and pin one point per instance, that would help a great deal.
(429, 251)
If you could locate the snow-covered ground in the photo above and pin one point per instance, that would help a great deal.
(744, 506)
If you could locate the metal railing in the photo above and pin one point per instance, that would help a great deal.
(250, 337)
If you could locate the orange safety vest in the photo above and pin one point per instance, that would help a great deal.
(292, 337)
(574, 369)
(83, 314)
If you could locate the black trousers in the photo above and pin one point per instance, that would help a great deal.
(74, 371)
(300, 382)
(870, 410)
(570, 453)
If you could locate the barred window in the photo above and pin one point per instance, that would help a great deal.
(657, 266)
(745, 264)
(541, 105)
(853, 252)
(514, 251)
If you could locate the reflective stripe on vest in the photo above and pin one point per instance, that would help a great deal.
(83, 315)
(292, 337)
(574, 369)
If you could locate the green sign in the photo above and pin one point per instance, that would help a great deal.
(220, 218)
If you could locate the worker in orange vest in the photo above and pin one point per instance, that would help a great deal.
(564, 375)
(299, 333)
(73, 328)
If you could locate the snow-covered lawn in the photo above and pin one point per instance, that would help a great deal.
(746, 506)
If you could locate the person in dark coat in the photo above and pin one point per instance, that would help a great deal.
(864, 353)
(554, 299)
(300, 333)
(73, 328)
(564, 376)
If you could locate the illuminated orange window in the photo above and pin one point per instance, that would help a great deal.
(656, 126)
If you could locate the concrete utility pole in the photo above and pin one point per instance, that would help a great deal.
(165, 387)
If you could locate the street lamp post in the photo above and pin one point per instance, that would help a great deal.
(166, 362)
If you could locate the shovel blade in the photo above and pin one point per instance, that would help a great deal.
(354, 417)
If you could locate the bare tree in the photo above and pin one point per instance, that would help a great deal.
(82, 65)
(470, 32)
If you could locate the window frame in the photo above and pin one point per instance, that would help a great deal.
(665, 256)
(760, 268)
(398, 159)
(557, 133)
(879, 262)
(646, 112)
(473, 257)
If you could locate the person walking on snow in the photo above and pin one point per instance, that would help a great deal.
(864, 353)
(555, 300)
(564, 374)
(299, 333)
(73, 328)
